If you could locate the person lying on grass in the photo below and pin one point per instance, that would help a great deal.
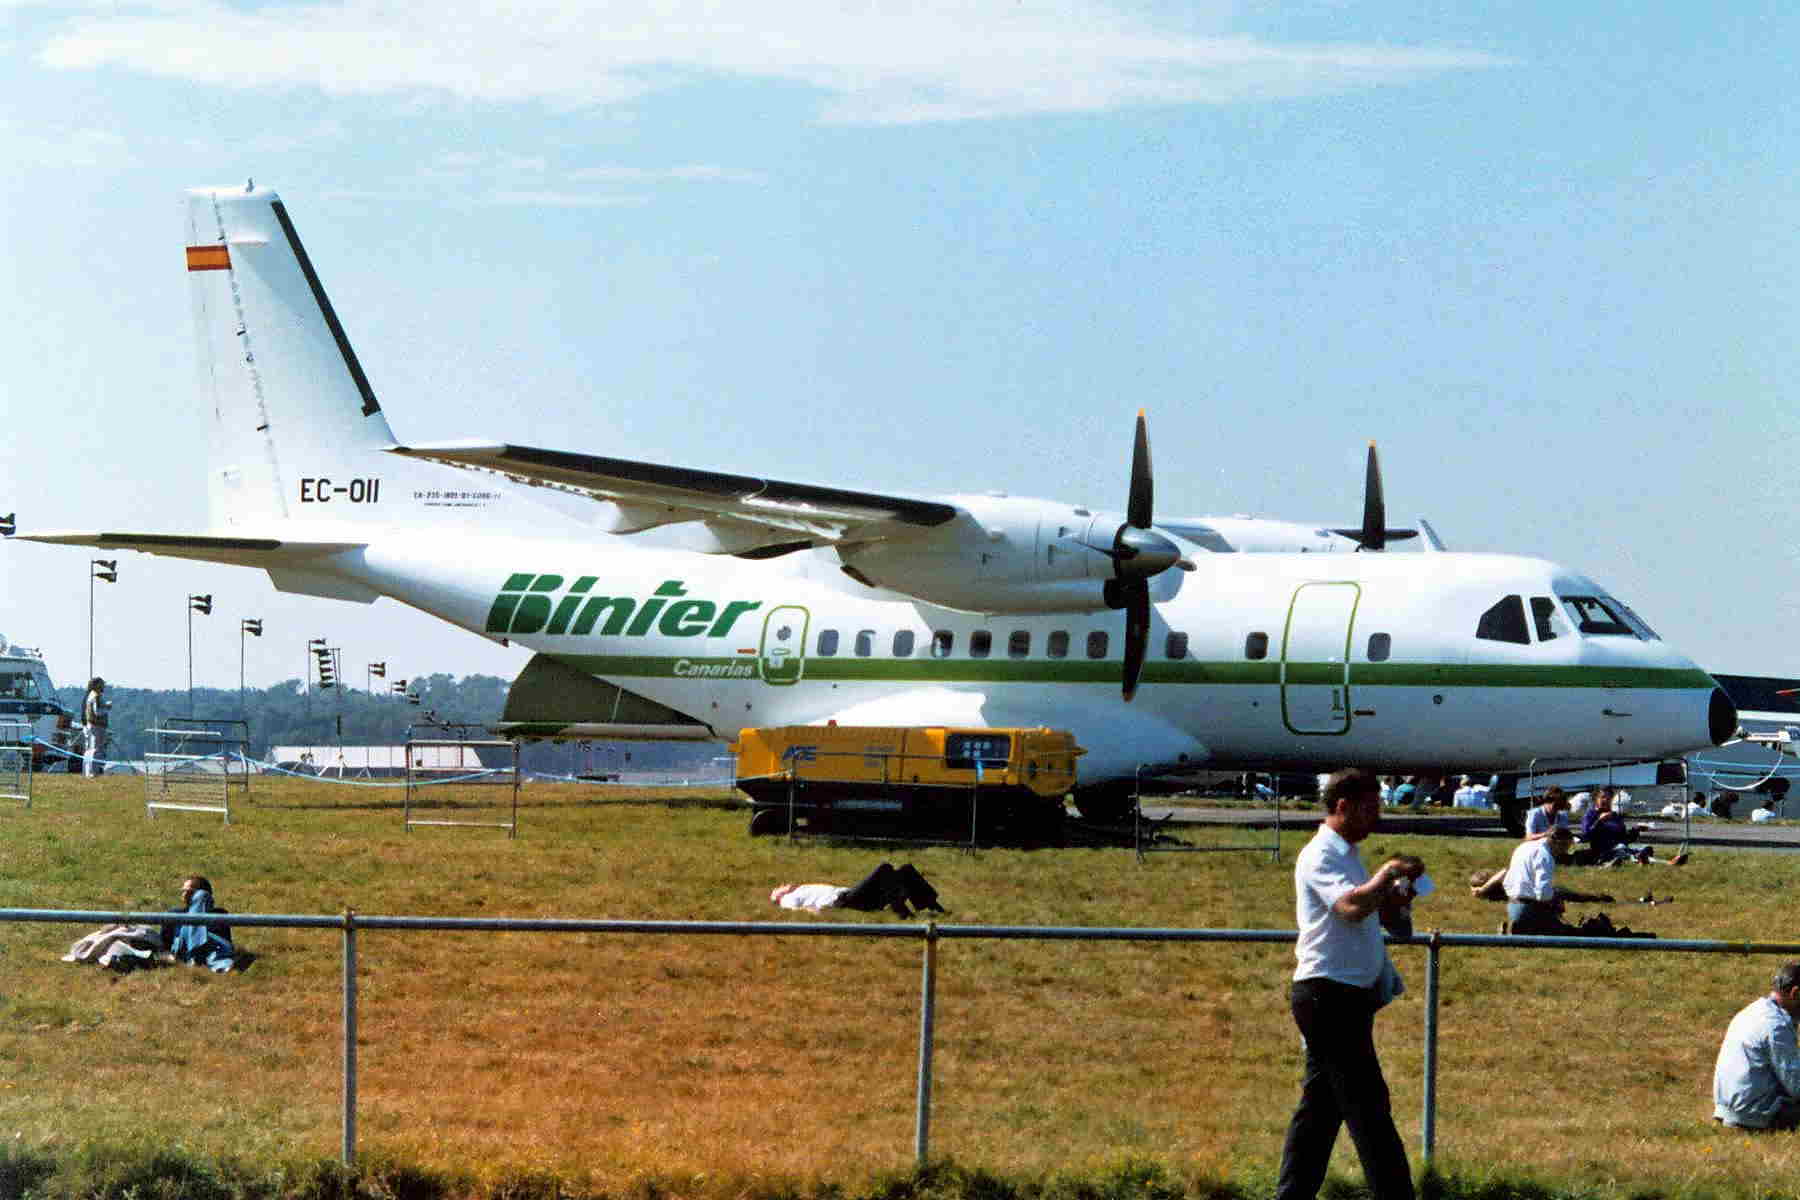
(885, 887)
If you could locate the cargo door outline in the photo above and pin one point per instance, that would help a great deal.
(781, 656)
(1315, 658)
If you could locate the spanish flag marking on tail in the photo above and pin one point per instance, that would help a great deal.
(208, 258)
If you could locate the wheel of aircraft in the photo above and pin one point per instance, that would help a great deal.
(1106, 803)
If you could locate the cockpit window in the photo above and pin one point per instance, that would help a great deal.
(1632, 619)
(1592, 616)
(1505, 622)
(18, 687)
(1543, 617)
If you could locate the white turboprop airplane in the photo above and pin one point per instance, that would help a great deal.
(698, 603)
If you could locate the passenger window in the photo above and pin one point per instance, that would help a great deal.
(1256, 646)
(1057, 646)
(1505, 622)
(1096, 644)
(1019, 644)
(981, 643)
(1380, 646)
(828, 639)
(1543, 617)
(942, 643)
(903, 644)
(865, 643)
(1175, 646)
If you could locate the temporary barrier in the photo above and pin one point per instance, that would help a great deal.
(15, 761)
(195, 763)
(448, 774)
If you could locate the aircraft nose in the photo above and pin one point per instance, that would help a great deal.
(1721, 718)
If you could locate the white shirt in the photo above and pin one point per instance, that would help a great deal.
(1537, 821)
(1331, 947)
(813, 895)
(1531, 874)
(1758, 1071)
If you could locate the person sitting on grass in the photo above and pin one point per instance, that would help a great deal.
(1535, 904)
(1756, 1078)
(886, 886)
(1609, 838)
(196, 944)
(1551, 813)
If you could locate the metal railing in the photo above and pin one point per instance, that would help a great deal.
(930, 934)
(17, 764)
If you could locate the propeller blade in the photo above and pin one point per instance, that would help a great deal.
(1137, 508)
(1374, 525)
(1137, 632)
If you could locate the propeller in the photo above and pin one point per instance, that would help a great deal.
(1138, 553)
(1374, 533)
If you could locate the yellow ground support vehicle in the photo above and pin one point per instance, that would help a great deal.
(927, 781)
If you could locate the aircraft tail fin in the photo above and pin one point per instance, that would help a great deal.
(297, 434)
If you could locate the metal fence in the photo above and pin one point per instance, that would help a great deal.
(930, 934)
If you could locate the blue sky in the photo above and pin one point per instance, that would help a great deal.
(1543, 253)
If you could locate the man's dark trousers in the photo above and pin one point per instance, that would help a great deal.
(1342, 1085)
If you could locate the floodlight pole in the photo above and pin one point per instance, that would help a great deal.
(98, 568)
(203, 606)
(253, 627)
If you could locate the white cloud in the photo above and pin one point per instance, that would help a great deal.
(878, 61)
(29, 145)
(642, 175)
(544, 199)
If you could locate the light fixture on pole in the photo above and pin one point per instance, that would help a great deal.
(203, 606)
(312, 648)
(107, 570)
(325, 661)
(253, 627)
(375, 671)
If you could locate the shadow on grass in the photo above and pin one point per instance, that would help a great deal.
(164, 1173)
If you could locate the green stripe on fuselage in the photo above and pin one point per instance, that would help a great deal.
(967, 670)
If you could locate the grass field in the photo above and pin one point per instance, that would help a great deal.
(735, 1064)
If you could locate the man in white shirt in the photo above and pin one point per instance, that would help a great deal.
(93, 727)
(1530, 883)
(1756, 1080)
(1341, 958)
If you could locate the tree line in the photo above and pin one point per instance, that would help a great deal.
(287, 714)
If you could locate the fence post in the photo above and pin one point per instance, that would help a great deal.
(1428, 1134)
(349, 1038)
(927, 1019)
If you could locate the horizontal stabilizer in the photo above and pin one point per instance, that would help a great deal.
(248, 551)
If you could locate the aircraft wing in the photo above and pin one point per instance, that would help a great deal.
(749, 516)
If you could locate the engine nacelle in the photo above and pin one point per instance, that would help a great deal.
(1004, 554)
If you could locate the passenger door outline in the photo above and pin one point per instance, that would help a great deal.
(781, 655)
(1315, 658)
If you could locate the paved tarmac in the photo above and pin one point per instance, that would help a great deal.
(1658, 831)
